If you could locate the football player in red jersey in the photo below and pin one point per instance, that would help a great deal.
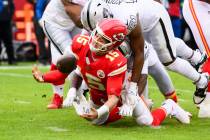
(103, 68)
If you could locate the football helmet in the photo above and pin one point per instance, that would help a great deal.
(94, 11)
(108, 34)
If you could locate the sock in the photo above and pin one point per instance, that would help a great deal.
(172, 96)
(55, 77)
(184, 68)
(53, 67)
(58, 89)
(159, 116)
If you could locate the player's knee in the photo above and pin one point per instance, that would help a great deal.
(171, 65)
(144, 120)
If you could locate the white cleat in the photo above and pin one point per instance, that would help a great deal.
(180, 114)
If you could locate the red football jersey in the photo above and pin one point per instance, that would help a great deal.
(104, 75)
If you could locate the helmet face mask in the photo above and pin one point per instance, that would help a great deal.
(99, 43)
(108, 35)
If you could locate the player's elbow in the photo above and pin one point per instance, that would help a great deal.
(66, 64)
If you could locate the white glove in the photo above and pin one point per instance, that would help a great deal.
(126, 110)
(71, 96)
(81, 105)
(132, 94)
(129, 101)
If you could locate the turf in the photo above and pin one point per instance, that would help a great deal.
(23, 114)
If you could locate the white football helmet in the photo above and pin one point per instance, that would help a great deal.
(93, 12)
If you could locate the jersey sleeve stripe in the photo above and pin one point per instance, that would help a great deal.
(118, 71)
(199, 28)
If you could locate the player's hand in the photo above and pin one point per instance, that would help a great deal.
(71, 96)
(37, 74)
(93, 114)
(132, 94)
(126, 110)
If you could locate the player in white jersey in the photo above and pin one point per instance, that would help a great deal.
(60, 29)
(91, 12)
(156, 21)
(197, 15)
(157, 30)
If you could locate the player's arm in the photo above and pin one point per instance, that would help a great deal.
(73, 10)
(114, 87)
(137, 46)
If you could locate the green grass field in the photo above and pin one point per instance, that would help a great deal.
(23, 114)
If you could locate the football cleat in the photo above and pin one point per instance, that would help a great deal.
(200, 93)
(56, 103)
(180, 114)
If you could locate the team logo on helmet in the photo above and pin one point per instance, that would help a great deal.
(107, 13)
(119, 37)
(100, 74)
(131, 23)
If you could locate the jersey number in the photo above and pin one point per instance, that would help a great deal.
(94, 82)
(112, 55)
(82, 40)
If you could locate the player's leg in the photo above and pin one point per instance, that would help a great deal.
(173, 109)
(144, 117)
(160, 75)
(164, 43)
(195, 13)
(195, 57)
(59, 40)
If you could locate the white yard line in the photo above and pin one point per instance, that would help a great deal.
(22, 102)
(15, 75)
(20, 67)
(57, 129)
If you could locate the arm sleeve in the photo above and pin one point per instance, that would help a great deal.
(114, 84)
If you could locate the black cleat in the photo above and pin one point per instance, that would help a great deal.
(199, 95)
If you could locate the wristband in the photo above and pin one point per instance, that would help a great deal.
(102, 110)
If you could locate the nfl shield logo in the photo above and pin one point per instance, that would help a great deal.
(100, 74)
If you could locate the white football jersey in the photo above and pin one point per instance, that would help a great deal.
(122, 12)
(126, 10)
(149, 13)
(55, 14)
